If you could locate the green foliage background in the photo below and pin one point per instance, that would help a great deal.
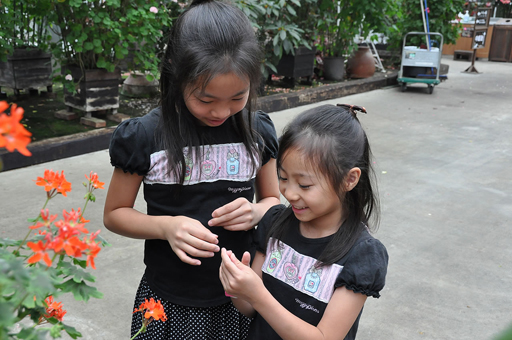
(439, 17)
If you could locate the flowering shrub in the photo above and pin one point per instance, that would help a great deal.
(52, 257)
(24, 25)
(99, 34)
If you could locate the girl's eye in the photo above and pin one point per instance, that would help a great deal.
(281, 178)
(237, 99)
(204, 102)
(304, 186)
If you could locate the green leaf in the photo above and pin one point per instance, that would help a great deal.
(6, 242)
(282, 34)
(291, 10)
(6, 316)
(77, 273)
(81, 263)
(56, 330)
(32, 334)
(278, 51)
(72, 332)
(81, 291)
(88, 46)
(101, 63)
(288, 47)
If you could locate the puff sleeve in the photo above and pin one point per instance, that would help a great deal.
(264, 226)
(130, 147)
(365, 269)
(265, 127)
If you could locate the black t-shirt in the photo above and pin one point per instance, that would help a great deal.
(290, 274)
(223, 174)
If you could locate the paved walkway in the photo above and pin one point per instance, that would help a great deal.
(443, 165)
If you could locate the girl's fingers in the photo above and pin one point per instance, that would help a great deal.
(191, 251)
(236, 212)
(204, 234)
(246, 259)
(228, 208)
(200, 245)
(185, 258)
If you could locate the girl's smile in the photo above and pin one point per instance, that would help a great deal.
(224, 96)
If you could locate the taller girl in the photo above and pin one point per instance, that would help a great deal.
(202, 157)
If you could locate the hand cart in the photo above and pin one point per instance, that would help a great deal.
(416, 61)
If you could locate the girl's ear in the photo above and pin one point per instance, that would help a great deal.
(352, 178)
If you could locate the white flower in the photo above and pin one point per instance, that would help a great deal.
(153, 9)
(69, 77)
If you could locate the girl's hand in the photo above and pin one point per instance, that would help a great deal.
(188, 237)
(238, 279)
(237, 215)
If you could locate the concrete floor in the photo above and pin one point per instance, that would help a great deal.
(443, 167)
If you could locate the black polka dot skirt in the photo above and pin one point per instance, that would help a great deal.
(222, 322)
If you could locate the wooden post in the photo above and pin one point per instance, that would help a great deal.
(472, 68)
(480, 27)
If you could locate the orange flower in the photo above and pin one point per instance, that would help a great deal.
(47, 220)
(93, 249)
(54, 183)
(47, 180)
(13, 135)
(40, 253)
(53, 309)
(72, 246)
(68, 233)
(93, 180)
(152, 310)
(83, 220)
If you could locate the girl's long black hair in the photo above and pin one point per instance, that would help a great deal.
(209, 38)
(332, 141)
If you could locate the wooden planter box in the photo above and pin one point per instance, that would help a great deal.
(299, 65)
(27, 69)
(98, 90)
(501, 43)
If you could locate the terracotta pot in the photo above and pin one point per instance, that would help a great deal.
(137, 86)
(361, 64)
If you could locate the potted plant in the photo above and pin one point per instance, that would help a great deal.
(25, 62)
(301, 61)
(343, 23)
(279, 32)
(94, 36)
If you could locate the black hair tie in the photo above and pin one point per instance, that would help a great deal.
(199, 2)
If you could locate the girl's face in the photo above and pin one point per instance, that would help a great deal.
(314, 202)
(224, 96)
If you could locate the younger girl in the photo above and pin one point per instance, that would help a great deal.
(202, 157)
(316, 258)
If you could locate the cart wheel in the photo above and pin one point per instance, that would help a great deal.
(430, 89)
(404, 87)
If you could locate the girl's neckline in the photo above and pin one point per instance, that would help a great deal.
(323, 239)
